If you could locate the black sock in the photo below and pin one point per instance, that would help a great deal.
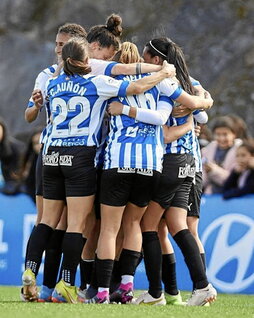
(28, 242)
(94, 283)
(38, 242)
(153, 260)
(72, 249)
(169, 274)
(52, 261)
(115, 277)
(190, 251)
(129, 261)
(203, 260)
(104, 269)
(86, 269)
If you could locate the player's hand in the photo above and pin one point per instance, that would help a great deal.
(115, 108)
(37, 98)
(197, 130)
(180, 111)
(168, 69)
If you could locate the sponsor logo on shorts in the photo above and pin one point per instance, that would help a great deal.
(145, 172)
(51, 160)
(54, 160)
(65, 160)
(186, 171)
(126, 170)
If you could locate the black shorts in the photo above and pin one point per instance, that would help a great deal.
(38, 175)
(123, 185)
(195, 196)
(69, 172)
(175, 181)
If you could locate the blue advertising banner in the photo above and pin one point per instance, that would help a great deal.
(226, 230)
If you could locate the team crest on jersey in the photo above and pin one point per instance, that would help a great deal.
(186, 171)
(65, 160)
(51, 160)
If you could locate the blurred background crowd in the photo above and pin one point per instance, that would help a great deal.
(222, 61)
(227, 155)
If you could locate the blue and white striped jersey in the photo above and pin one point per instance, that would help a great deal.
(99, 67)
(182, 145)
(78, 104)
(132, 143)
(40, 83)
(198, 116)
(186, 143)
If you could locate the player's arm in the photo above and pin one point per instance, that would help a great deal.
(147, 82)
(148, 116)
(172, 133)
(139, 68)
(32, 112)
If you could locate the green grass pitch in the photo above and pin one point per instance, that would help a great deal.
(226, 306)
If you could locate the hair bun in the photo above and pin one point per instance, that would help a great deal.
(114, 24)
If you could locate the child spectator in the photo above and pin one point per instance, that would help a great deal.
(241, 179)
(219, 155)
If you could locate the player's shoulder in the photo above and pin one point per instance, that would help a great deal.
(47, 72)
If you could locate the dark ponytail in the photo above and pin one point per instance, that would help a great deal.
(114, 25)
(173, 54)
(74, 54)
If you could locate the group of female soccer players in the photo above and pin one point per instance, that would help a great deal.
(136, 174)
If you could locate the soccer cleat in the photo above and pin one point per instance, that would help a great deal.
(123, 295)
(29, 290)
(174, 300)
(64, 293)
(45, 294)
(85, 294)
(200, 297)
(100, 298)
(147, 299)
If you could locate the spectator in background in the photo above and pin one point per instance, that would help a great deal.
(241, 179)
(205, 135)
(241, 129)
(219, 156)
(9, 161)
(28, 166)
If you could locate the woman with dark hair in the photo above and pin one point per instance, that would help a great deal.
(241, 179)
(53, 251)
(10, 159)
(104, 40)
(219, 156)
(28, 166)
(172, 193)
(78, 101)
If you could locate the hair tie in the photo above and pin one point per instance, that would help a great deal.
(156, 49)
